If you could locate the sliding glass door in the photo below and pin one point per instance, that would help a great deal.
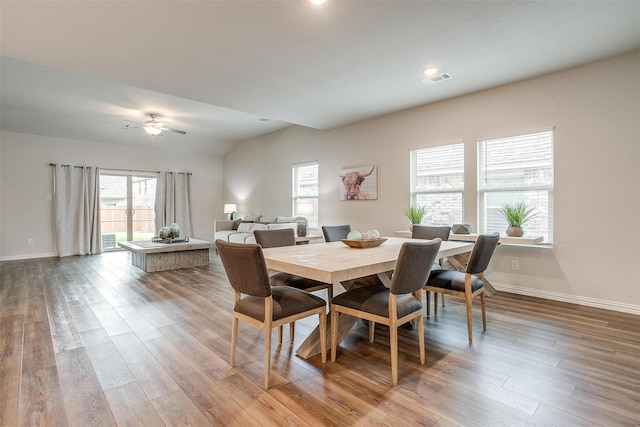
(127, 211)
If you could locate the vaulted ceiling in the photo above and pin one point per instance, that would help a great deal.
(76, 69)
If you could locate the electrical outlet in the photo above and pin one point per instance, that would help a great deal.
(49, 197)
(515, 264)
(30, 241)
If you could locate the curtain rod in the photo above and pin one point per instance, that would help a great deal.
(125, 170)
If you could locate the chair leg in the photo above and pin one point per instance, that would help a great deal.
(280, 335)
(267, 354)
(334, 333)
(484, 314)
(372, 330)
(467, 299)
(292, 331)
(330, 297)
(234, 340)
(442, 296)
(323, 335)
(393, 336)
(435, 304)
(428, 302)
(421, 338)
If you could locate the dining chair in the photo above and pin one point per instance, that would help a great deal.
(259, 304)
(429, 232)
(287, 237)
(393, 306)
(466, 284)
(334, 233)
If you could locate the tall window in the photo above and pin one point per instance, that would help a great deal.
(513, 170)
(437, 183)
(127, 207)
(305, 192)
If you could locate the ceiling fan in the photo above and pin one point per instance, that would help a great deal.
(152, 127)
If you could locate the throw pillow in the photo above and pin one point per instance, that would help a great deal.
(286, 219)
(252, 218)
(246, 227)
(267, 219)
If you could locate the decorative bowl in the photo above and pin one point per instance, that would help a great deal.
(362, 244)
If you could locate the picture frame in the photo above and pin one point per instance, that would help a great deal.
(359, 183)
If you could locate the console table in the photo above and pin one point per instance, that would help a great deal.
(524, 240)
(154, 256)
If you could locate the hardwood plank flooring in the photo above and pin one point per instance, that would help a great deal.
(95, 341)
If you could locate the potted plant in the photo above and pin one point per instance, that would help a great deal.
(516, 215)
(415, 214)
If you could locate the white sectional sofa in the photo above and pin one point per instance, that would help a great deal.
(241, 231)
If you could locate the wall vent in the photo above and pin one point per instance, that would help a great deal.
(436, 79)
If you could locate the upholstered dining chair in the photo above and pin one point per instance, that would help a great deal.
(466, 284)
(287, 237)
(429, 232)
(334, 233)
(259, 304)
(390, 306)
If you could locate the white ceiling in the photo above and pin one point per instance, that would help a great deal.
(75, 69)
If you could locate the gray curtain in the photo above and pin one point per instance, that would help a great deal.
(173, 202)
(77, 210)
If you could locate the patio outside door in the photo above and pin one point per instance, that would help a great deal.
(126, 208)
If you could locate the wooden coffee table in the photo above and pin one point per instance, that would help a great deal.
(154, 256)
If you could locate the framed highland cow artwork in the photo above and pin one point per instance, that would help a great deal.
(359, 183)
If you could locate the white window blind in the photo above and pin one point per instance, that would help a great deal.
(305, 189)
(437, 183)
(513, 170)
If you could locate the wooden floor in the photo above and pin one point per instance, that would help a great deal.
(92, 340)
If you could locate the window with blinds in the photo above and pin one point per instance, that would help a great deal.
(437, 183)
(513, 170)
(305, 190)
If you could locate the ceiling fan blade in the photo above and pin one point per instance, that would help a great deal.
(131, 125)
(166, 129)
(131, 121)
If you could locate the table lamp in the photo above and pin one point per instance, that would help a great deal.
(303, 210)
(230, 208)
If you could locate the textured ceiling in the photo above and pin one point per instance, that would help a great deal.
(76, 69)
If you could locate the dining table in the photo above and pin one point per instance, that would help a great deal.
(339, 264)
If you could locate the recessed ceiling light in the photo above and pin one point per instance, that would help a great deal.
(431, 71)
(262, 120)
(317, 1)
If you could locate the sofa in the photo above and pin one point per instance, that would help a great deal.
(241, 230)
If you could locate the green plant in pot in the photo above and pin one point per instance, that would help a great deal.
(516, 214)
(415, 214)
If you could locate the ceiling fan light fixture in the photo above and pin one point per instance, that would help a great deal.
(152, 130)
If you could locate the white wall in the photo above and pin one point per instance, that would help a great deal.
(595, 110)
(26, 180)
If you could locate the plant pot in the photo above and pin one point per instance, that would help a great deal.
(515, 232)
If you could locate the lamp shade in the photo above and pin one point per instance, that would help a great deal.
(152, 130)
(229, 208)
(304, 208)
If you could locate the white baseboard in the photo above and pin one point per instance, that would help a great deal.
(573, 299)
(29, 256)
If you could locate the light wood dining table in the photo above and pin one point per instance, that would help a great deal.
(336, 263)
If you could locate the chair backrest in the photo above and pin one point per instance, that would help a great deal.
(482, 252)
(275, 238)
(410, 273)
(431, 232)
(245, 267)
(334, 233)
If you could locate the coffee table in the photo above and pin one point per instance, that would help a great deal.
(155, 256)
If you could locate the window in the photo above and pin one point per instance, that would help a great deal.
(513, 170)
(127, 207)
(305, 190)
(437, 183)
